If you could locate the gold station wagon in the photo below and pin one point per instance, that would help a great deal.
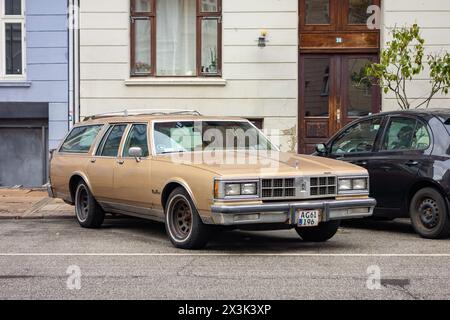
(196, 173)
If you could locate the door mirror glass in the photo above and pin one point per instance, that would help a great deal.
(135, 152)
(321, 148)
(359, 138)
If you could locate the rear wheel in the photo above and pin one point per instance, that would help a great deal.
(324, 232)
(183, 224)
(429, 216)
(88, 211)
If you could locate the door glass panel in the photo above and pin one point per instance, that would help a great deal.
(142, 6)
(210, 5)
(406, 134)
(137, 138)
(112, 143)
(318, 12)
(317, 87)
(357, 11)
(360, 93)
(358, 138)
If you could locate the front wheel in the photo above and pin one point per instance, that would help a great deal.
(324, 232)
(183, 224)
(429, 215)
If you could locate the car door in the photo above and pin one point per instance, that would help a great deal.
(357, 144)
(101, 167)
(403, 150)
(132, 175)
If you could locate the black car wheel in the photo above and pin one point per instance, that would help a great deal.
(429, 215)
(88, 211)
(324, 232)
(183, 224)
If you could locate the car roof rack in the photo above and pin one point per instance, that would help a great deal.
(144, 112)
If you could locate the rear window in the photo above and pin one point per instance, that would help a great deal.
(80, 139)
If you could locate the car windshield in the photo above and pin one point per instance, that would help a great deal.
(189, 136)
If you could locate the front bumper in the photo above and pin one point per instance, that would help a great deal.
(50, 192)
(286, 212)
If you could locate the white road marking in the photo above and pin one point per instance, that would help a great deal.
(337, 255)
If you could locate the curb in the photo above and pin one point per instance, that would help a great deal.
(2, 218)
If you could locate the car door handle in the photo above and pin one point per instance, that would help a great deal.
(360, 163)
(120, 162)
(412, 163)
(93, 160)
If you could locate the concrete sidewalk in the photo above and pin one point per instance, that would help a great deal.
(32, 204)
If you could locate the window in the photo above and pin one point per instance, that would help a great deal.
(190, 136)
(406, 134)
(176, 38)
(335, 15)
(359, 138)
(109, 146)
(137, 138)
(12, 23)
(80, 139)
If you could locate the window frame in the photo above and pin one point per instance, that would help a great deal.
(379, 137)
(200, 16)
(127, 135)
(381, 149)
(339, 10)
(94, 142)
(5, 19)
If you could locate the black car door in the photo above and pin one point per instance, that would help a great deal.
(357, 145)
(395, 165)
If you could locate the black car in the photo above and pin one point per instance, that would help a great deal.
(407, 154)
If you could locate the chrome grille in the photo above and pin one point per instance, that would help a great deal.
(323, 186)
(278, 188)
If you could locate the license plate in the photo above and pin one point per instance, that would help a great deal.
(308, 218)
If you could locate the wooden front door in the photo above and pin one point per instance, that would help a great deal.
(336, 42)
(332, 93)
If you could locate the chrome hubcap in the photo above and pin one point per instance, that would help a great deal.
(82, 204)
(429, 213)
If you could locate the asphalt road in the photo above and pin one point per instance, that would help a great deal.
(133, 259)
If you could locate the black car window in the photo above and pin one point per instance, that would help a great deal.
(111, 141)
(359, 138)
(137, 138)
(406, 134)
(80, 139)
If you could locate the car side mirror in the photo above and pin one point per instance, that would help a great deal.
(321, 148)
(135, 152)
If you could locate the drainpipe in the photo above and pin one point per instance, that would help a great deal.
(74, 96)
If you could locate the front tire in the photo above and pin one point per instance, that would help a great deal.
(429, 215)
(324, 232)
(183, 224)
(88, 211)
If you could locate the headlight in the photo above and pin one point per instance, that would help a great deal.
(224, 189)
(248, 189)
(347, 185)
(360, 184)
(232, 189)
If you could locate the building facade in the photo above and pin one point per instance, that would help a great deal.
(292, 66)
(34, 87)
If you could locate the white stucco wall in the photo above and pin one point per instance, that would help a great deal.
(260, 83)
(433, 16)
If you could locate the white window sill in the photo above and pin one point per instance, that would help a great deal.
(15, 83)
(175, 81)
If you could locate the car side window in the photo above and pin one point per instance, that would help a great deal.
(80, 139)
(109, 147)
(137, 138)
(406, 134)
(359, 138)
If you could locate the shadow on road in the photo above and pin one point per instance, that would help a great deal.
(398, 226)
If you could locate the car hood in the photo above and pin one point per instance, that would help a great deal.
(252, 164)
